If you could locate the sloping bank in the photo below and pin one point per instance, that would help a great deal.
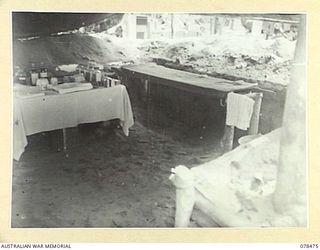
(64, 49)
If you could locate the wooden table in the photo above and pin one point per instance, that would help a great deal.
(50, 112)
(194, 83)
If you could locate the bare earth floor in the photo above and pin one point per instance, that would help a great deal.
(107, 180)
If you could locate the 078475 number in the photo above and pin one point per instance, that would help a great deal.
(304, 245)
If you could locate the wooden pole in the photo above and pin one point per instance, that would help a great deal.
(254, 123)
(227, 139)
(147, 87)
(172, 30)
(64, 132)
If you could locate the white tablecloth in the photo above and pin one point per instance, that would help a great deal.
(50, 112)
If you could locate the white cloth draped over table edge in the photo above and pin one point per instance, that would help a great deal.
(45, 113)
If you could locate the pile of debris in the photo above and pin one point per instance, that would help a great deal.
(237, 58)
(234, 57)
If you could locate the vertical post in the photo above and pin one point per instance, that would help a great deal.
(226, 142)
(147, 89)
(290, 197)
(64, 132)
(172, 30)
(185, 195)
(232, 24)
(227, 139)
(256, 28)
(254, 123)
(216, 25)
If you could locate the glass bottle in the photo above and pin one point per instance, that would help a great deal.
(43, 71)
(34, 74)
(98, 76)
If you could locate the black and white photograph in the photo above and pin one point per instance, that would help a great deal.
(159, 120)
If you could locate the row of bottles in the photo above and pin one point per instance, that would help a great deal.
(93, 73)
(97, 75)
(30, 76)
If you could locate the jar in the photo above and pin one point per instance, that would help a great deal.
(34, 77)
(43, 83)
(98, 75)
(54, 81)
(78, 69)
(43, 71)
(90, 74)
(22, 77)
(105, 82)
(85, 71)
(34, 74)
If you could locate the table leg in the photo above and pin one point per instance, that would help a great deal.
(227, 139)
(148, 103)
(64, 132)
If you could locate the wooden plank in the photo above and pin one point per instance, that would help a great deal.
(187, 81)
(174, 84)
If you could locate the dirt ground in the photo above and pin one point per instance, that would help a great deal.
(107, 180)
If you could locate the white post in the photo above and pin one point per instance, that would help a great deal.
(289, 198)
(256, 28)
(254, 123)
(185, 195)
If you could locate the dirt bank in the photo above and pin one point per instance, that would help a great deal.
(64, 49)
